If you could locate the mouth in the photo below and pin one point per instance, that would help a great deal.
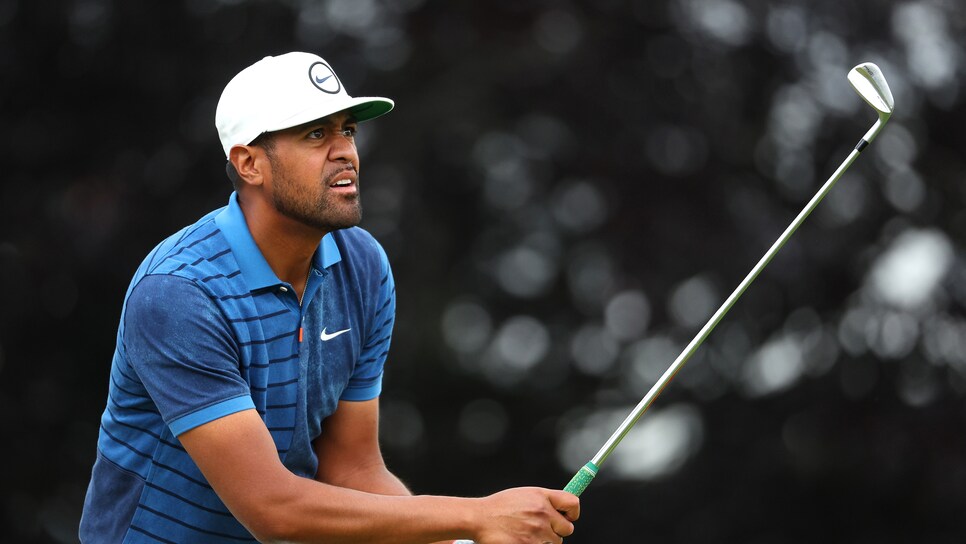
(344, 182)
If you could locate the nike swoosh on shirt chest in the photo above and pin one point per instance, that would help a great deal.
(329, 336)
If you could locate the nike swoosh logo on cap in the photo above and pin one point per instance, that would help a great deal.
(322, 76)
(326, 337)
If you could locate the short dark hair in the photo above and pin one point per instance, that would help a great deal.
(266, 141)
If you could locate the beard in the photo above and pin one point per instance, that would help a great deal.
(315, 207)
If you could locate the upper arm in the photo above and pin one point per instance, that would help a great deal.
(349, 442)
(181, 347)
(366, 381)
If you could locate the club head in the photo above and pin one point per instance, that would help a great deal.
(868, 81)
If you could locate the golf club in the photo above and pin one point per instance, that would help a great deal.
(870, 84)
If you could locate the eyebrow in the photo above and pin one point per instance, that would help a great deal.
(327, 122)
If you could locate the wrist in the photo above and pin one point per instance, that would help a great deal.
(471, 518)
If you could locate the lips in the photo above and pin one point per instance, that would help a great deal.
(344, 181)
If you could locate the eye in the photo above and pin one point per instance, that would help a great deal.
(317, 134)
(349, 131)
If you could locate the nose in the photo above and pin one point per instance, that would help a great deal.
(343, 149)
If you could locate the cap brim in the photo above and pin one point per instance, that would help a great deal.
(362, 108)
(371, 107)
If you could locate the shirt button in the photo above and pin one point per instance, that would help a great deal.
(283, 289)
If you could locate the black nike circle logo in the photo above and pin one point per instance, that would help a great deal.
(324, 79)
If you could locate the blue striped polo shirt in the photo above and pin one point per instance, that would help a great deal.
(207, 329)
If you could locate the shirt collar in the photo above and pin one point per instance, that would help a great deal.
(255, 269)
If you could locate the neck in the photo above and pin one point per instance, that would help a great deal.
(287, 245)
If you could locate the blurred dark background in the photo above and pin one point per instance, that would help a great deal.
(567, 191)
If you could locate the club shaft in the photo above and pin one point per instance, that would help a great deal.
(679, 363)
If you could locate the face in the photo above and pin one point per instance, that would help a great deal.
(315, 173)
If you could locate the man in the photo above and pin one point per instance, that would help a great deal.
(244, 390)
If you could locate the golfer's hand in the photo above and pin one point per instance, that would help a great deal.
(528, 515)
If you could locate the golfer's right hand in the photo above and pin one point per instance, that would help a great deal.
(528, 515)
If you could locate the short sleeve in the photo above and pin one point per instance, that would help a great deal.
(366, 380)
(182, 349)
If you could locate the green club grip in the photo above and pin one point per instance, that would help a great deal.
(582, 479)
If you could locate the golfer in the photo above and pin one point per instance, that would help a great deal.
(244, 389)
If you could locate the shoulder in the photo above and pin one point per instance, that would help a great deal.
(165, 312)
(198, 247)
(158, 295)
(166, 289)
(357, 240)
(358, 247)
(199, 252)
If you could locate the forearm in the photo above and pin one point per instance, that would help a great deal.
(312, 512)
(379, 480)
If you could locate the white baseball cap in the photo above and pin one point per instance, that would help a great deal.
(282, 92)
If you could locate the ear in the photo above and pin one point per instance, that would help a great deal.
(249, 163)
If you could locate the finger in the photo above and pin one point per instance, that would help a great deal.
(561, 526)
(565, 503)
(568, 515)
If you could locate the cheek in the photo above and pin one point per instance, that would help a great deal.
(305, 173)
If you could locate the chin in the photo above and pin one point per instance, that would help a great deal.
(342, 221)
